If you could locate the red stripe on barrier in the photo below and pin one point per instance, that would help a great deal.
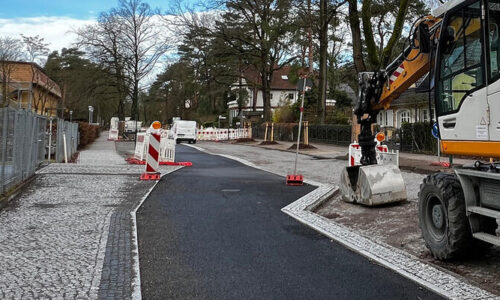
(156, 136)
(153, 152)
(352, 160)
(150, 169)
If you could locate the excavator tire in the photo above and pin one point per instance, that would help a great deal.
(443, 220)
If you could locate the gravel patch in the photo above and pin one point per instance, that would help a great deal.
(69, 233)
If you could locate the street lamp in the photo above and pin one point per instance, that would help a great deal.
(91, 113)
(71, 116)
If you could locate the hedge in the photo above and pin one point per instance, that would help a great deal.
(88, 133)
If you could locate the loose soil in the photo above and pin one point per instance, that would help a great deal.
(268, 143)
(397, 225)
(302, 146)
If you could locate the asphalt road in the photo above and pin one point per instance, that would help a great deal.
(215, 231)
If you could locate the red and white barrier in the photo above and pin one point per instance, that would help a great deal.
(167, 148)
(222, 134)
(153, 154)
(384, 157)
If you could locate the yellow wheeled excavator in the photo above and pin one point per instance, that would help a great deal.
(458, 48)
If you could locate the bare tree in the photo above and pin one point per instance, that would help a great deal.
(103, 44)
(142, 40)
(36, 53)
(129, 40)
(10, 51)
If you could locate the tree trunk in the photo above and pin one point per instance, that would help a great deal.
(357, 51)
(134, 113)
(323, 53)
(310, 39)
(266, 94)
(255, 94)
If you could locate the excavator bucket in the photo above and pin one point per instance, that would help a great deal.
(372, 185)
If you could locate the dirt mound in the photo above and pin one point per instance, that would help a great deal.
(268, 143)
(301, 146)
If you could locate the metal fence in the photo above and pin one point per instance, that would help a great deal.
(331, 134)
(68, 132)
(22, 145)
(417, 137)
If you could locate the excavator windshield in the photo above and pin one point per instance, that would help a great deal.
(461, 58)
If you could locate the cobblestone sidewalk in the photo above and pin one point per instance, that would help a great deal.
(69, 234)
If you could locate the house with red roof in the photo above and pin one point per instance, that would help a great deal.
(283, 91)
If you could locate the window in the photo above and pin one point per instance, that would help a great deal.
(425, 115)
(461, 54)
(494, 41)
(380, 118)
(290, 96)
(405, 117)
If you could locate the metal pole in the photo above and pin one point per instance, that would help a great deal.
(50, 137)
(300, 124)
(65, 148)
(439, 151)
(5, 123)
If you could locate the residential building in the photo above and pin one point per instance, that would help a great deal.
(282, 91)
(410, 107)
(32, 88)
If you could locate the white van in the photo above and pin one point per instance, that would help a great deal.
(184, 131)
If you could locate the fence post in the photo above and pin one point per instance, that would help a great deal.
(5, 123)
(272, 132)
(265, 134)
(65, 148)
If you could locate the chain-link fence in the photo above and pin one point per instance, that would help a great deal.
(22, 145)
(68, 132)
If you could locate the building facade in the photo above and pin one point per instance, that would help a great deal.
(31, 88)
(282, 91)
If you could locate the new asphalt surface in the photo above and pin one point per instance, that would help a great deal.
(215, 231)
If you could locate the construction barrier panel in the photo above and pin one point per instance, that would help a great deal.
(141, 145)
(384, 157)
(167, 148)
(222, 134)
(113, 135)
(153, 153)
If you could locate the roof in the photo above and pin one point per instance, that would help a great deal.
(279, 81)
(41, 78)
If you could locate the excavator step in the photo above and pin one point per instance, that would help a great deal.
(484, 211)
(489, 238)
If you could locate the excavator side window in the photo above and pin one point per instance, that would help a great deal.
(461, 55)
(494, 41)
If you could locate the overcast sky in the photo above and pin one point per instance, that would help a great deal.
(55, 19)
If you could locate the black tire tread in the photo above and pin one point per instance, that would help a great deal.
(459, 236)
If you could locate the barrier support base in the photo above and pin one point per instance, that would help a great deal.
(295, 180)
(135, 161)
(180, 163)
(150, 176)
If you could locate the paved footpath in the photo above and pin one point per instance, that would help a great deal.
(68, 235)
(216, 231)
